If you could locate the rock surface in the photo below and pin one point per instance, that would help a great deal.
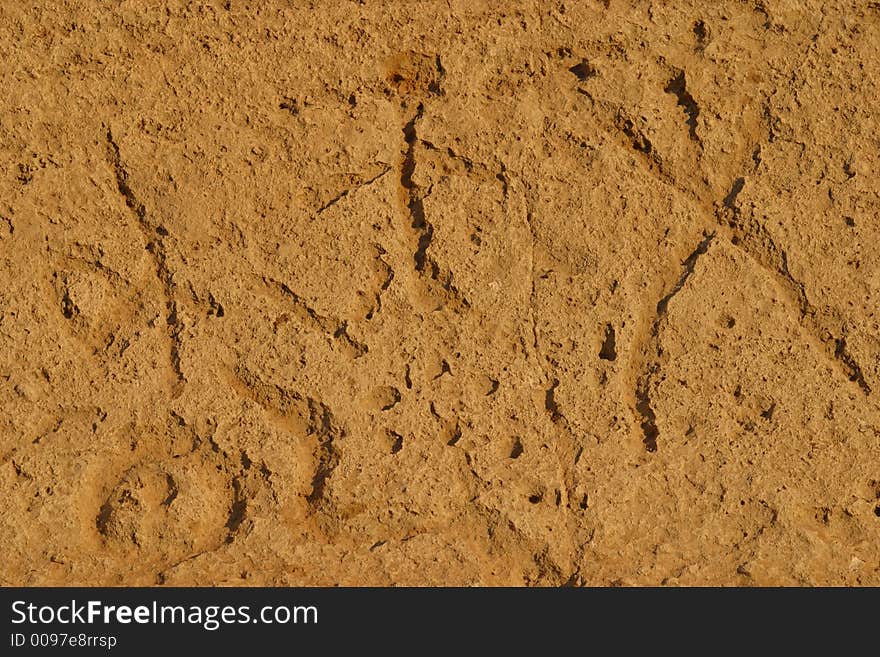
(440, 293)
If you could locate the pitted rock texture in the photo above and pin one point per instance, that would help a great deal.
(440, 293)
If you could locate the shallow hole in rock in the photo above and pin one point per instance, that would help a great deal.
(396, 442)
(583, 70)
(517, 449)
(609, 346)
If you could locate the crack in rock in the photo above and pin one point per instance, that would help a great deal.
(644, 405)
(155, 235)
(415, 199)
(677, 86)
(753, 239)
(351, 190)
(309, 317)
(322, 424)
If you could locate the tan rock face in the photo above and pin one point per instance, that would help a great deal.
(473, 293)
